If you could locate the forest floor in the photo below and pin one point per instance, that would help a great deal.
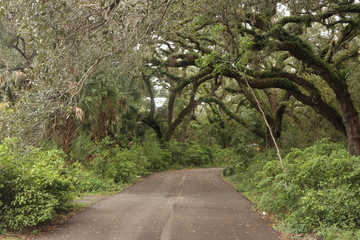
(174, 205)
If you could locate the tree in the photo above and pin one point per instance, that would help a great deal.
(275, 44)
(62, 47)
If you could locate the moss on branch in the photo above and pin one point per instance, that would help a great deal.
(232, 115)
(349, 8)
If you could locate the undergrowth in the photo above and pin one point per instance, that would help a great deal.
(319, 193)
(38, 183)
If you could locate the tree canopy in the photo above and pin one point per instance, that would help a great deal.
(94, 93)
(307, 51)
(100, 67)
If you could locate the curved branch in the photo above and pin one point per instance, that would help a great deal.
(319, 105)
(258, 132)
(172, 125)
(203, 75)
(186, 60)
(349, 8)
(288, 83)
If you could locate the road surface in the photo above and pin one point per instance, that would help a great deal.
(176, 205)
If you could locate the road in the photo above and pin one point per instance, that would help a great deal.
(175, 205)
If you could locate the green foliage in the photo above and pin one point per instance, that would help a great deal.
(190, 154)
(224, 156)
(110, 167)
(158, 157)
(82, 148)
(89, 181)
(236, 160)
(320, 192)
(229, 171)
(199, 155)
(34, 184)
(29, 208)
(206, 60)
(120, 165)
(244, 49)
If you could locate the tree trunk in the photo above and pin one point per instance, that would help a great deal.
(155, 126)
(150, 120)
(172, 125)
(351, 122)
(335, 81)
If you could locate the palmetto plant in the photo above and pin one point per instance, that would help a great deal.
(109, 108)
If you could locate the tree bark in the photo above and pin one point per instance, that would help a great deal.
(258, 132)
(351, 122)
(150, 120)
(188, 109)
(333, 78)
(286, 83)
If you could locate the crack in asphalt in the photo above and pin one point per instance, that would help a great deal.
(166, 230)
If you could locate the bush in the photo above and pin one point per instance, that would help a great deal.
(29, 208)
(178, 153)
(320, 190)
(88, 181)
(329, 188)
(120, 165)
(229, 171)
(157, 157)
(34, 184)
(199, 155)
(82, 148)
(190, 154)
(109, 167)
(226, 157)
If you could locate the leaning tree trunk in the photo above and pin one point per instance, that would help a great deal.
(150, 120)
(172, 125)
(303, 52)
(351, 122)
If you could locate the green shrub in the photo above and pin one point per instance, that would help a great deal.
(34, 184)
(120, 165)
(320, 190)
(82, 148)
(29, 208)
(109, 166)
(199, 155)
(338, 207)
(223, 157)
(229, 171)
(178, 153)
(88, 181)
(158, 157)
(190, 154)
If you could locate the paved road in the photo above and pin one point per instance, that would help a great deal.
(176, 205)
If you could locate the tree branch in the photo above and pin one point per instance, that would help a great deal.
(256, 131)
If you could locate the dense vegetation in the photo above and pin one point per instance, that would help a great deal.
(319, 192)
(95, 93)
(36, 183)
